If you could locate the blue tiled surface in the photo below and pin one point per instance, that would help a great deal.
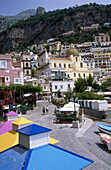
(33, 130)
(50, 157)
(13, 158)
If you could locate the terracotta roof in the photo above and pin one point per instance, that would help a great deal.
(58, 58)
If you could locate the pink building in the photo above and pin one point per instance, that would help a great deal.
(10, 73)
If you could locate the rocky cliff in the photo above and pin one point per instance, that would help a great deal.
(8, 21)
(39, 28)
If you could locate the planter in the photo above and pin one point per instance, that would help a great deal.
(75, 124)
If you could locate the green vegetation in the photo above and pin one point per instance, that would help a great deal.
(55, 23)
(89, 96)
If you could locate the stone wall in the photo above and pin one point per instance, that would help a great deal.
(99, 114)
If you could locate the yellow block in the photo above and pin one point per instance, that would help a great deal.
(8, 140)
(21, 121)
(53, 141)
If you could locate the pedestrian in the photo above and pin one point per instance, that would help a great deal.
(55, 111)
(47, 109)
(43, 110)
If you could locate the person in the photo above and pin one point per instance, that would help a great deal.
(55, 111)
(43, 110)
(47, 109)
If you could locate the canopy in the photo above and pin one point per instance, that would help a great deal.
(27, 95)
(70, 107)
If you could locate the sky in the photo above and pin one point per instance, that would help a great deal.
(13, 7)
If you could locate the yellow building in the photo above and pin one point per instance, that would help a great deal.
(75, 68)
(55, 46)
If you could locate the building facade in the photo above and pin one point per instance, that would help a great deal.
(10, 73)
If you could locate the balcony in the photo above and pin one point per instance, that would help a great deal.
(58, 77)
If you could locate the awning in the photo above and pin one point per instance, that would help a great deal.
(27, 95)
(70, 107)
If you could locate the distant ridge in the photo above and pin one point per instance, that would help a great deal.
(52, 24)
(7, 21)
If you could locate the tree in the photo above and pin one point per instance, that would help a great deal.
(89, 80)
(80, 85)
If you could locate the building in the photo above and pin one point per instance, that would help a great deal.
(72, 63)
(102, 61)
(55, 46)
(29, 148)
(101, 37)
(26, 66)
(87, 28)
(40, 10)
(61, 70)
(10, 72)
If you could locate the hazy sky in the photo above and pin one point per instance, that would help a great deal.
(13, 7)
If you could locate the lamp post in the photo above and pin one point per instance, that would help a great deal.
(70, 92)
(74, 94)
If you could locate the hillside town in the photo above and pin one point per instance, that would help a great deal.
(59, 67)
(55, 101)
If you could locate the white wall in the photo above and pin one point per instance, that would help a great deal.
(12, 117)
(39, 140)
(62, 83)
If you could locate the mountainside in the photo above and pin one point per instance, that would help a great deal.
(7, 21)
(48, 25)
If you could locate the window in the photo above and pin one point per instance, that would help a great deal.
(35, 83)
(61, 86)
(79, 75)
(81, 64)
(16, 80)
(84, 75)
(27, 72)
(69, 65)
(42, 60)
(59, 65)
(64, 65)
(69, 86)
(3, 64)
(7, 79)
(26, 58)
(40, 81)
(74, 74)
(26, 64)
(54, 64)
(76, 59)
(44, 87)
(56, 87)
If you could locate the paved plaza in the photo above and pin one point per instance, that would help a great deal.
(85, 143)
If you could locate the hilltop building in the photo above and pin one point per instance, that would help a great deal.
(101, 37)
(40, 10)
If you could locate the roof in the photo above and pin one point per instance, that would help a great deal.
(53, 141)
(8, 140)
(5, 127)
(12, 113)
(70, 107)
(5, 56)
(33, 129)
(13, 158)
(21, 121)
(59, 58)
(50, 157)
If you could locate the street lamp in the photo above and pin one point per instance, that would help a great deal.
(74, 94)
(70, 92)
